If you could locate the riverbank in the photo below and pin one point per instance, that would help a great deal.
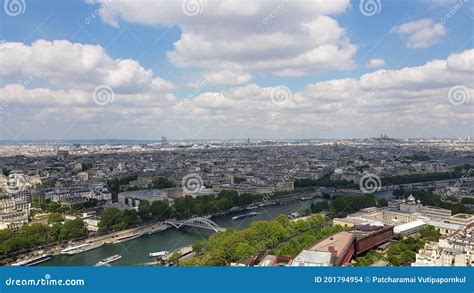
(136, 252)
(125, 235)
(109, 238)
(157, 237)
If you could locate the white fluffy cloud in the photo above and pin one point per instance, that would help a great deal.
(399, 102)
(222, 77)
(421, 33)
(287, 38)
(403, 101)
(61, 63)
(376, 63)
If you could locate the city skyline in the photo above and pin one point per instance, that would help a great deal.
(217, 70)
(252, 139)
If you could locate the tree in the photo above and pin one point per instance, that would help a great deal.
(129, 218)
(5, 234)
(114, 219)
(238, 180)
(175, 256)
(224, 204)
(430, 233)
(107, 219)
(38, 234)
(319, 206)
(344, 205)
(6, 171)
(368, 259)
(183, 207)
(243, 250)
(278, 236)
(304, 212)
(325, 181)
(72, 229)
(160, 209)
(161, 183)
(382, 202)
(114, 184)
(403, 253)
(55, 218)
(144, 210)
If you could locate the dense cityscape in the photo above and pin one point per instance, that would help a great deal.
(377, 201)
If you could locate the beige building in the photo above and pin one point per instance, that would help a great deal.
(387, 214)
(455, 250)
(435, 212)
(14, 211)
(446, 229)
(461, 219)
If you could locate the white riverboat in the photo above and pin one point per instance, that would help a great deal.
(127, 237)
(108, 260)
(74, 249)
(32, 261)
(158, 254)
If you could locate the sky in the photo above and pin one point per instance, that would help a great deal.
(236, 69)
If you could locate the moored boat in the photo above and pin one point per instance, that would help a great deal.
(158, 254)
(74, 249)
(126, 238)
(33, 260)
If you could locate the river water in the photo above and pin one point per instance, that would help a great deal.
(135, 252)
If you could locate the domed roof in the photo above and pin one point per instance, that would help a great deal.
(411, 198)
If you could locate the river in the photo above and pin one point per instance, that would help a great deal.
(135, 252)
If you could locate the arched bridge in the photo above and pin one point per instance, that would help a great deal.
(198, 222)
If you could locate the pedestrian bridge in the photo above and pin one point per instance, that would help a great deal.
(198, 222)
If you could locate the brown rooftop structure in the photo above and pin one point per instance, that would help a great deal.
(341, 245)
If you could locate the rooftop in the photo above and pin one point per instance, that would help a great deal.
(312, 258)
(408, 226)
(337, 244)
